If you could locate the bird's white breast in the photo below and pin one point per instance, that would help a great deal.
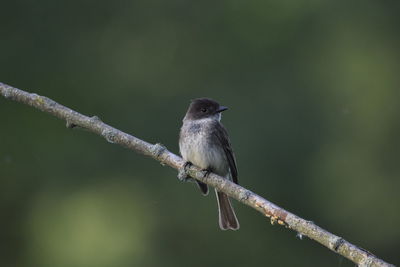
(196, 146)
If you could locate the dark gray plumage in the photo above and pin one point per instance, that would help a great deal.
(204, 142)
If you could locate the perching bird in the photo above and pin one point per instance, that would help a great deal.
(204, 142)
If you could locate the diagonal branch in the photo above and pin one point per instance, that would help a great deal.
(160, 153)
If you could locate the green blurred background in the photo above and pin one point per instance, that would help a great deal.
(313, 89)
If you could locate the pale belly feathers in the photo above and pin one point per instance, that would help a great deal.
(195, 146)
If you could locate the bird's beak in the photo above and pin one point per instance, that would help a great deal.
(221, 108)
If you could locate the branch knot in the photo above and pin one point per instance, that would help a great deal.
(70, 124)
(7, 91)
(109, 135)
(157, 150)
(337, 244)
(95, 118)
(244, 195)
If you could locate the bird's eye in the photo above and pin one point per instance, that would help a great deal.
(203, 110)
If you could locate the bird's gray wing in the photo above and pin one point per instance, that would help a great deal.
(220, 132)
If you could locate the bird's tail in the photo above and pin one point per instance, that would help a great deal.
(203, 187)
(227, 216)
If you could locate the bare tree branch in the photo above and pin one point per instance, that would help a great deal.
(160, 153)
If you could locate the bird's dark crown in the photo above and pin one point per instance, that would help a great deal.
(201, 108)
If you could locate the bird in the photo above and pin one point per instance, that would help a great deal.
(204, 142)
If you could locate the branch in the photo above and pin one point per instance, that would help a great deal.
(160, 153)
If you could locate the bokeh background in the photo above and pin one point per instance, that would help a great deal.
(313, 89)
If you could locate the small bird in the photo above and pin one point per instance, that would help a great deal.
(204, 142)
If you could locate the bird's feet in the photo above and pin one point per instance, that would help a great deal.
(206, 172)
(182, 173)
